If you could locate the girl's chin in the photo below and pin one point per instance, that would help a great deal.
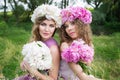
(46, 38)
(73, 37)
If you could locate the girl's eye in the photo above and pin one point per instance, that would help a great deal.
(66, 26)
(52, 25)
(43, 24)
(72, 23)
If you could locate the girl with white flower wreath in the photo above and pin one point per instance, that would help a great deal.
(46, 19)
(76, 44)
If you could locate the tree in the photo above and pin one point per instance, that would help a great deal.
(94, 3)
(110, 8)
(5, 13)
(32, 4)
(64, 3)
(113, 13)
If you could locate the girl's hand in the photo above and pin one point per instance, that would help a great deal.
(26, 66)
(29, 69)
(22, 66)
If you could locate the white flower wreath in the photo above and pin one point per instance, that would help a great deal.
(49, 11)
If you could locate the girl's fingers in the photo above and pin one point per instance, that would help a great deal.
(22, 66)
(27, 66)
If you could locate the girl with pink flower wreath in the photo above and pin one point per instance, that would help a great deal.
(76, 43)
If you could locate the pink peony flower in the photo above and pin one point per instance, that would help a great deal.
(78, 51)
(70, 56)
(72, 13)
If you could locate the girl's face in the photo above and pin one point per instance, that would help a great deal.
(46, 29)
(71, 29)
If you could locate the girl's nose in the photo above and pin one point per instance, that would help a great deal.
(70, 26)
(47, 28)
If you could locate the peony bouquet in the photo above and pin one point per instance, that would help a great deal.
(78, 52)
(37, 54)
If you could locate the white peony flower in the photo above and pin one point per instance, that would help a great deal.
(49, 11)
(37, 54)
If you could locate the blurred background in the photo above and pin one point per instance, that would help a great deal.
(15, 31)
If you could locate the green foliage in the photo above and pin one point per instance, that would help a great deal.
(106, 29)
(19, 9)
(57, 38)
(3, 27)
(112, 27)
(108, 7)
(98, 17)
(24, 16)
(18, 12)
(98, 29)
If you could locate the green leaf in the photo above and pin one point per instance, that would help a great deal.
(39, 45)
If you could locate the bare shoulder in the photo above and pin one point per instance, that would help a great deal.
(54, 49)
(64, 45)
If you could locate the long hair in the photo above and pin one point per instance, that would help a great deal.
(84, 32)
(35, 29)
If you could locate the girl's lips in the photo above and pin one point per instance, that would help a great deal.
(72, 33)
(46, 33)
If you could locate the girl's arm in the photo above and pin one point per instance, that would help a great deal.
(56, 62)
(76, 68)
(53, 72)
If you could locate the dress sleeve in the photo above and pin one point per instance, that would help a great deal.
(51, 42)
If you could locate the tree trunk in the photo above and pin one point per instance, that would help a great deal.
(5, 12)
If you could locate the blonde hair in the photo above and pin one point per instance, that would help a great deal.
(84, 32)
(35, 29)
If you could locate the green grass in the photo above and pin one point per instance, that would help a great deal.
(107, 56)
(106, 62)
(12, 38)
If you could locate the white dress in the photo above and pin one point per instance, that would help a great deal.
(66, 73)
